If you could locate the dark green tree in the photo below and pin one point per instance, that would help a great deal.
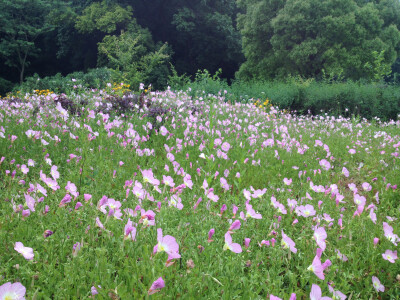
(202, 34)
(21, 23)
(311, 38)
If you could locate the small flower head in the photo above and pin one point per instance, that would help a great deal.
(25, 251)
(12, 291)
(377, 284)
(156, 286)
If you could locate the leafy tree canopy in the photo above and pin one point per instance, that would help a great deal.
(315, 37)
(21, 23)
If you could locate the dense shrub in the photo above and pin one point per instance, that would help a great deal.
(94, 78)
(367, 100)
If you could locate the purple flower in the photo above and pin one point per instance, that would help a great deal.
(210, 234)
(47, 233)
(75, 249)
(156, 286)
(247, 242)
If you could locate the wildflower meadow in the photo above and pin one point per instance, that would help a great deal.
(105, 194)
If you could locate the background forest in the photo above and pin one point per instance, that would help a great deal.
(167, 42)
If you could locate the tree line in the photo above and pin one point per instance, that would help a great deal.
(145, 41)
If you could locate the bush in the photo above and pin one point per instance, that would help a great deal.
(94, 78)
(338, 99)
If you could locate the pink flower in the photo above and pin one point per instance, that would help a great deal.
(234, 247)
(149, 177)
(345, 172)
(67, 199)
(156, 286)
(352, 151)
(390, 256)
(372, 216)
(99, 224)
(31, 162)
(377, 284)
(212, 196)
(24, 169)
(51, 184)
(235, 225)
(30, 202)
(129, 231)
(166, 244)
(316, 268)
(25, 251)
(359, 200)
(246, 242)
(76, 248)
(72, 189)
(187, 180)
(94, 290)
(41, 189)
(54, 173)
(210, 234)
(306, 211)
(320, 237)
(287, 243)
(26, 213)
(287, 181)
(388, 230)
(224, 184)
(316, 293)
(114, 208)
(163, 131)
(247, 194)
(325, 164)
(337, 295)
(366, 186)
(252, 213)
(168, 180)
(341, 256)
(147, 217)
(12, 291)
(87, 197)
(353, 188)
(225, 146)
(176, 201)
(258, 193)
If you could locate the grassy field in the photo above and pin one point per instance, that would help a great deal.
(164, 196)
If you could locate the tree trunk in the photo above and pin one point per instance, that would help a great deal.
(21, 74)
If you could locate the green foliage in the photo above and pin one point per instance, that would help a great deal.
(99, 155)
(94, 78)
(202, 34)
(307, 96)
(203, 84)
(379, 68)
(21, 23)
(177, 82)
(311, 38)
(103, 17)
(129, 56)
